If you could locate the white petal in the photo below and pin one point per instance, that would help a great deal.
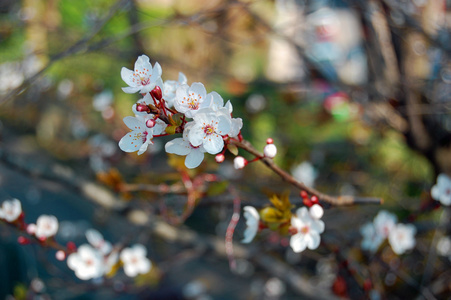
(194, 158)
(298, 242)
(156, 72)
(224, 125)
(127, 77)
(196, 135)
(139, 250)
(318, 226)
(213, 144)
(182, 78)
(313, 240)
(198, 89)
(131, 90)
(131, 142)
(144, 266)
(134, 124)
(144, 147)
(142, 63)
(177, 146)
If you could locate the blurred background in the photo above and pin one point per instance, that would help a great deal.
(355, 95)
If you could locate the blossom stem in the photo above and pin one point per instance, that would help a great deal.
(336, 201)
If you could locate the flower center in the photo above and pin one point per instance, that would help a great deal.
(193, 104)
(89, 262)
(145, 81)
(209, 129)
(305, 230)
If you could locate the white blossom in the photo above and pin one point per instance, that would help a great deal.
(135, 260)
(305, 173)
(87, 262)
(371, 239)
(384, 222)
(402, 238)
(10, 210)
(140, 136)
(182, 146)
(143, 78)
(46, 226)
(170, 88)
(252, 223)
(308, 231)
(96, 239)
(208, 130)
(442, 190)
(189, 99)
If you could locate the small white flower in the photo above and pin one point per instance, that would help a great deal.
(96, 239)
(144, 78)
(10, 210)
(308, 231)
(140, 136)
(208, 130)
(305, 173)
(371, 239)
(135, 260)
(402, 238)
(189, 100)
(46, 226)
(252, 223)
(316, 211)
(182, 146)
(239, 162)
(270, 150)
(444, 246)
(442, 190)
(170, 88)
(87, 262)
(384, 222)
(216, 103)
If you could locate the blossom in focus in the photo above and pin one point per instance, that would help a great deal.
(371, 239)
(216, 103)
(182, 146)
(143, 78)
(170, 88)
(135, 260)
(140, 136)
(87, 262)
(442, 190)
(402, 238)
(305, 173)
(384, 222)
(96, 239)
(10, 210)
(189, 99)
(308, 231)
(208, 130)
(252, 223)
(46, 226)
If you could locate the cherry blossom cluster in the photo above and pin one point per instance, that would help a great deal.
(441, 191)
(401, 237)
(94, 260)
(170, 107)
(305, 226)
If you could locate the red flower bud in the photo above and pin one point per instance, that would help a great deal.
(269, 141)
(150, 123)
(23, 240)
(303, 194)
(156, 93)
(307, 202)
(71, 247)
(314, 199)
(141, 107)
(219, 158)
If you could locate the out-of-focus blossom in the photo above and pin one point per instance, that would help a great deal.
(371, 239)
(135, 260)
(308, 231)
(239, 162)
(10, 210)
(270, 150)
(305, 173)
(46, 226)
(10, 77)
(444, 247)
(316, 211)
(384, 222)
(402, 238)
(252, 223)
(96, 239)
(441, 191)
(87, 262)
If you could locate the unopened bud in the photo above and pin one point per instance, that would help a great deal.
(314, 199)
(303, 194)
(307, 202)
(23, 240)
(269, 141)
(270, 150)
(31, 229)
(60, 255)
(239, 162)
(141, 107)
(150, 123)
(71, 247)
(156, 93)
(219, 158)
(316, 211)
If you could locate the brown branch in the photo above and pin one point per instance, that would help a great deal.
(337, 201)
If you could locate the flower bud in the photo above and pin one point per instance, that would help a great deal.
(239, 162)
(314, 199)
(156, 93)
(23, 240)
(269, 141)
(60, 255)
(219, 158)
(141, 107)
(270, 150)
(31, 229)
(303, 194)
(316, 211)
(150, 123)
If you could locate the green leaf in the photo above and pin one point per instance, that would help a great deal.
(217, 188)
(171, 129)
(233, 149)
